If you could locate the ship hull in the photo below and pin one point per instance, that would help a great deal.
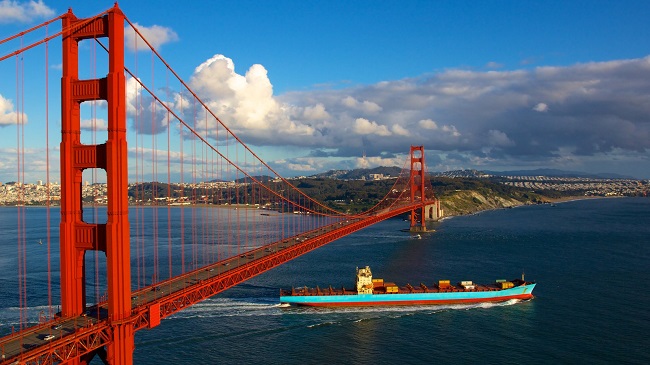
(431, 298)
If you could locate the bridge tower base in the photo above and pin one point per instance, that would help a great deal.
(77, 236)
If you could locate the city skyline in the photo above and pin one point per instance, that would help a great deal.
(315, 86)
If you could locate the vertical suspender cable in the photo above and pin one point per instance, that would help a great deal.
(141, 277)
(18, 207)
(169, 192)
(193, 243)
(155, 182)
(182, 157)
(47, 180)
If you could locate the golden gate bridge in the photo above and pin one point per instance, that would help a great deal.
(238, 216)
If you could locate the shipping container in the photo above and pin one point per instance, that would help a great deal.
(443, 284)
(392, 289)
(466, 282)
(501, 280)
(469, 287)
(507, 285)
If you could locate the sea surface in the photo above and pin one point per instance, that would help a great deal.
(590, 259)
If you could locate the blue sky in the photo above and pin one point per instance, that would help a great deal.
(490, 85)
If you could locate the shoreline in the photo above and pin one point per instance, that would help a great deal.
(561, 200)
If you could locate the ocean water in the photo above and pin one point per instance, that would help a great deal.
(590, 259)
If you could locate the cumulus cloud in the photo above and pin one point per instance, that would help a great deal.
(156, 35)
(363, 106)
(247, 105)
(8, 115)
(316, 112)
(541, 107)
(365, 126)
(12, 11)
(94, 125)
(428, 124)
(399, 130)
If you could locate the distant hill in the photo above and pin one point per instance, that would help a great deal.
(558, 173)
(247, 180)
(394, 171)
(460, 173)
(357, 174)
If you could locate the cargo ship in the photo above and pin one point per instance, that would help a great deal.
(376, 292)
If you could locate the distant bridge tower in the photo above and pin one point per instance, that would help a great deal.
(418, 223)
(77, 236)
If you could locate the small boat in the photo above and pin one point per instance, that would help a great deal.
(376, 292)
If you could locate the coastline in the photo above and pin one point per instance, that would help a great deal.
(479, 208)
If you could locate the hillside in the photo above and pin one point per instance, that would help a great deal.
(468, 202)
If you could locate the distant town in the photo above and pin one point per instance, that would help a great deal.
(40, 193)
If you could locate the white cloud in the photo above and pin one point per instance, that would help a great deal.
(541, 107)
(365, 126)
(156, 35)
(246, 102)
(399, 130)
(8, 116)
(364, 106)
(94, 125)
(428, 124)
(450, 129)
(316, 112)
(376, 161)
(12, 11)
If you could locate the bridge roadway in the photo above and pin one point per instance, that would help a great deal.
(62, 339)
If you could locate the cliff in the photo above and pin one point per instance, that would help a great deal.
(472, 201)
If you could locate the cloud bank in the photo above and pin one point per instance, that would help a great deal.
(537, 117)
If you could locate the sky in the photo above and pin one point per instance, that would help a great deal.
(312, 86)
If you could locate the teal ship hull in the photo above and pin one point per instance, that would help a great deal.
(411, 297)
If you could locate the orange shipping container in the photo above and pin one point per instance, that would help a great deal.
(392, 289)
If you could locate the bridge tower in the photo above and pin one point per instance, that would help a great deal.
(417, 189)
(76, 236)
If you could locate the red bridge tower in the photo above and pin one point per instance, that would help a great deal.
(417, 189)
(77, 236)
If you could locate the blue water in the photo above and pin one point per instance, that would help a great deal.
(590, 258)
